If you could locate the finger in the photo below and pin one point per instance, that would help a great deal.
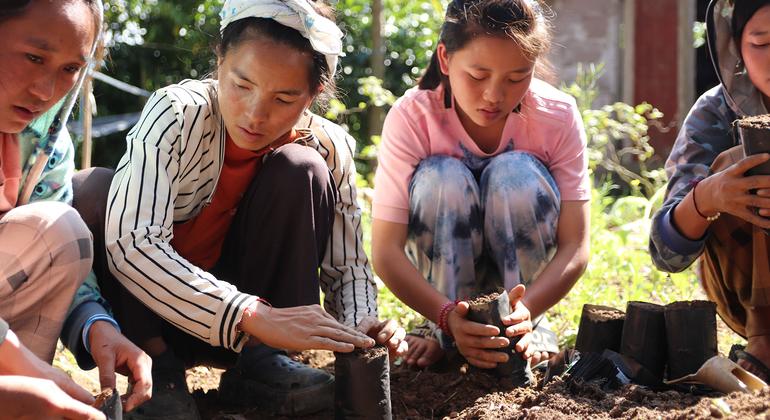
(516, 294)
(415, 352)
(400, 334)
(480, 363)
(748, 162)
(394, 343)
(520, 313)
(753, 200)
(386, 330)
(750, 217)
(325, 343)
(369, 325)
(70, 408)
(345, 335)
(474, 328)
(356, 337)
(754, 182)
(486, 342)
(534, 360)
(519, 329)
(403, 348)
(523, 345)
(141, 378)
(72, 389)
(461, 309)
(105, 361)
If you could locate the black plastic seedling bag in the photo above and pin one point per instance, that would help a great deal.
(754, 134)
(108, 402)
(362, 384)
(692, 336)
(601, 328)
(644, 336)
(490, 309)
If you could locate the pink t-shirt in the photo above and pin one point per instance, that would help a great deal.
(548, 126)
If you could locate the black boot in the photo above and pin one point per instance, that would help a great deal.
(268, 378)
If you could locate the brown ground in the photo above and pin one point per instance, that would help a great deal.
(457, 395)
(468, 394)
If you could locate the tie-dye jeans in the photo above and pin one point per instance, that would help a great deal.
(476, 225)
(479, 224)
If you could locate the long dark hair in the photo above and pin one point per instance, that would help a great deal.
(523, 21)
(742, 13)
(11, 8)
(319, 75)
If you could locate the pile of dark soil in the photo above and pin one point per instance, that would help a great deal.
(469, 394)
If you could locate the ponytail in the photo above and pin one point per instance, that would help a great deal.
(432, 77)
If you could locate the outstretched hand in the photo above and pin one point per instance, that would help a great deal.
(301, 328)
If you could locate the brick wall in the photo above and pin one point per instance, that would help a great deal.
(589, 31)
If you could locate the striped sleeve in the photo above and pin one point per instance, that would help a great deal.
(139, 228)
(346, 278)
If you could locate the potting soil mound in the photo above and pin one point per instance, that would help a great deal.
(604, 313)
(470, 394)
(758, 122)
(483, 299)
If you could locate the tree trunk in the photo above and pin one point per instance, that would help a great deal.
(376, 114)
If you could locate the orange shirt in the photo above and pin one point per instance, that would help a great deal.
(200, 239)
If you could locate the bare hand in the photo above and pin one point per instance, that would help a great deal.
(113, 352)
(730, 191)
(387, 333)
(24, 397)
(302, 328)
(17, 359)
(519, 321)
(478, 343)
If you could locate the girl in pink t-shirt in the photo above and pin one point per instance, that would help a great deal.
(482, 184)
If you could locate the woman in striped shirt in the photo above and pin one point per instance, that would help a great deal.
(232, 194)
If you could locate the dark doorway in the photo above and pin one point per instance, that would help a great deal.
(705, 76)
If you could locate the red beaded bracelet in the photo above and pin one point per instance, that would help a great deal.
(443, 316)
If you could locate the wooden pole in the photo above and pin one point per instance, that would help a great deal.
(86, 116)
(376, 113)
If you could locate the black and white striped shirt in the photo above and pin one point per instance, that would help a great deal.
(170, 171)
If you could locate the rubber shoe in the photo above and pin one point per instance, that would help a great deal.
(270, 379)
(170, 398)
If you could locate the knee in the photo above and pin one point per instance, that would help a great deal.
(519, 172)
(62, 231)
(299, 165)
(442, 178)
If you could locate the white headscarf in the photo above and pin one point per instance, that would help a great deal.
(324, 35)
